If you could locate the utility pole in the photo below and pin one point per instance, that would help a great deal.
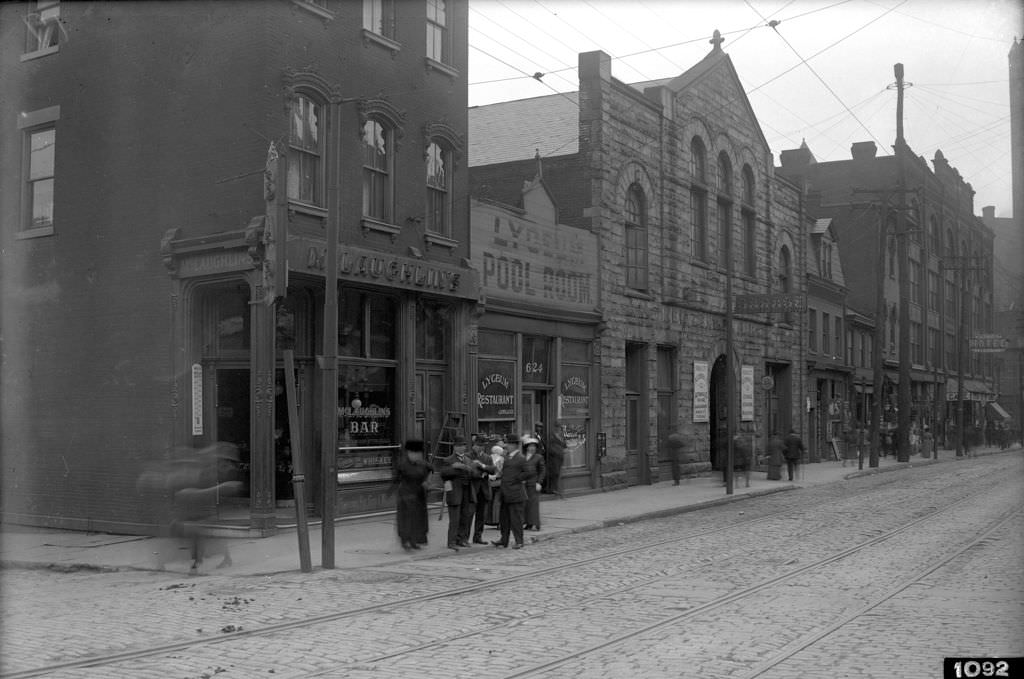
(903, 394)
(877, 357)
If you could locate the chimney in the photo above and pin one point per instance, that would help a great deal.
(863, 150)
(988, 212)
(595, 65)
(794, 160)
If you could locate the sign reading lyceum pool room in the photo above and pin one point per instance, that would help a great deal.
(529, 262)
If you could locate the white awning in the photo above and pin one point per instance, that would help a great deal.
(999, 410)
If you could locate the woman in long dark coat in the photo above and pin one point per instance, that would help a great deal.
(410, 473)
(534, 477)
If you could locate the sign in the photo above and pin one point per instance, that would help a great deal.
(495, 396)
(988, 344)
(773, 304)
(767, 382)
(747, 393)
(197, 399)
(701, 409)
(533, 262)
(574, 392)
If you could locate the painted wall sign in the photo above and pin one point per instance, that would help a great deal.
(747, 393)
(531, 262)
(197, 399)
(368, 266)
(701, 409)
(214, 262)
(495, 391)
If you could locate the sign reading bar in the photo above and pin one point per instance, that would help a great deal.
(988, 343)
(780, 303)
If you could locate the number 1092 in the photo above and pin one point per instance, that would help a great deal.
(968, 668)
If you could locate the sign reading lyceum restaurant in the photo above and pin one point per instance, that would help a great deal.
(544, 264)
(368, 266)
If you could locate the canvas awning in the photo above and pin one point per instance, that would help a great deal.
(999, 410)
(973, 390)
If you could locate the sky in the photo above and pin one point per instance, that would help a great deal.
(823, 73)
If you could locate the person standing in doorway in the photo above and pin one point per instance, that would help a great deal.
(794, 452)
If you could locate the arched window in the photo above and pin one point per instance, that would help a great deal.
(724, 174)
(725, 247)
(698, 160)
(306, 158)
(439, 193)
(378, 149)
(786, 277)
(749, 217)
(636, 238)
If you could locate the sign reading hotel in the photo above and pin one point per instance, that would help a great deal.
(525, 261)
(701, 408)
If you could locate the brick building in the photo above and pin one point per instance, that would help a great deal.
(664, 174)
(171, 172)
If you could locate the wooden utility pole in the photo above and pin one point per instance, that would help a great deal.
(903, 393)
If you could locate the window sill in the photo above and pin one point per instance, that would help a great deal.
(37, 232)
(439, 240)
(307, 209)
(371, 224)
(638, 294)
(385, 42)
(434, 64)
(29, 56)
(314, 9)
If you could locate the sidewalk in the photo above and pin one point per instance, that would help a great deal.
(369, 541)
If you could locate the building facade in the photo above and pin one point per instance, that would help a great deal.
(675, 180)
(168, 209)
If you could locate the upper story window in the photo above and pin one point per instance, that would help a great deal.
(439, 189)
(39, 129)
(812, 330)
(934, 237)
(724, 175)
(44, 28)
(306, 159)
(826, 259)
(379, 17)
(748, 186)
(378, 148)
(636, 238)
(437, 31)
(699, 218)
(698, 160)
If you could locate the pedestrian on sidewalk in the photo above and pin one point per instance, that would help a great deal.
(927, 443)
(794, 452)
(675, 445)
(480, 487)
(513, 497)
(411, 510)
(535, 469)
(743, 454)
(555, 457)
(457, 469)
(493, 508)
(776, 456)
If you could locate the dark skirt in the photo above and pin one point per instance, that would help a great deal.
(532, 513)
(412, 515)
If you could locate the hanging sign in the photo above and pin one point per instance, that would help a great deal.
(197, 399)
(747, 393)
(701, 410)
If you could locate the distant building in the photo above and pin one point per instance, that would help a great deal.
(665, 175)
(171, 171)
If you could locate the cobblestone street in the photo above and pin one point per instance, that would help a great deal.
(873, 577)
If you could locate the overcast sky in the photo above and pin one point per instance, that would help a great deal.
(821, 74)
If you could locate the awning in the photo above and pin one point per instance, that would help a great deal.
(973, 390)
(999, 410)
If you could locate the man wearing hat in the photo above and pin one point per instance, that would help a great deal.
(513, 498)
(465, 472)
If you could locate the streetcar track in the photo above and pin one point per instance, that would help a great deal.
(168, 648)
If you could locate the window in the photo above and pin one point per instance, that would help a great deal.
(367, 325)
(437, 31)
(433, 328)
(934, 237)
(636, 238)
(377, 152)
(38, 170)
(786, 277)
(812, 329)
(826, 330)
(950, 300)
(934, 350)
(44, 28)
(699, 215)
(837, 336)
(439, 194)
(934, 291)
(916, 334)
(305, 165)
(724, 175)
(379, 17)
(724, 235)
(748, 186)
(698, 161)
(749, 243)
(915, 282)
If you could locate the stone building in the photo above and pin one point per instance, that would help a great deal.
(949, 292)
(676, 181)
(169, 198)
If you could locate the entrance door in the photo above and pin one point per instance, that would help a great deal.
(232, 418)
(534, 410)
(430, 411)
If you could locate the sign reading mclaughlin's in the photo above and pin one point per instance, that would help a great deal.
(369, 266)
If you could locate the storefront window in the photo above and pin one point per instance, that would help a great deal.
(497, 343)
(367, 325)
(231, 309)
(433, 322)
(495, 393)
(574, 410)
(366, 423)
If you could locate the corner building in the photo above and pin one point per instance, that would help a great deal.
(675, 179)
(169, 197)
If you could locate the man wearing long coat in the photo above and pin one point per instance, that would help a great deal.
(513, 499)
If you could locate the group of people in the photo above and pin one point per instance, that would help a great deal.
(486, 482)
(789, 450)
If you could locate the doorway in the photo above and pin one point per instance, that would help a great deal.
(430, 410)
(534, 409)
(231, 403)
